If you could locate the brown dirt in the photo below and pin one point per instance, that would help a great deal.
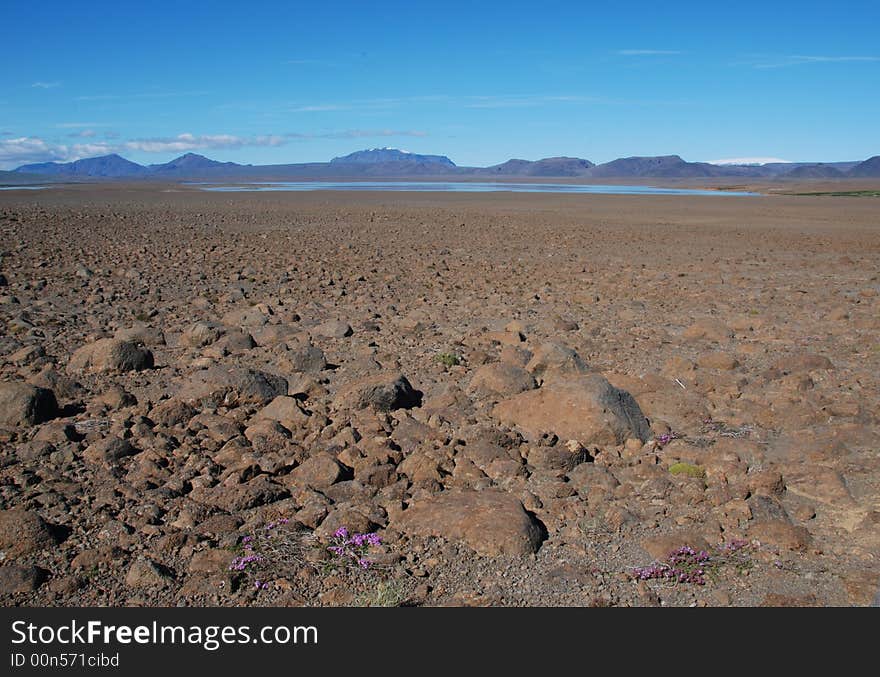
(746, 329)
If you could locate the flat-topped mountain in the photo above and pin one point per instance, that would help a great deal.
(376, 156)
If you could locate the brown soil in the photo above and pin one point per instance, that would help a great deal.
(746, 329)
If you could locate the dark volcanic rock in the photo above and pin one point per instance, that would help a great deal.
(19, 579)
(384, 392)
(232, 386)
(24, 404)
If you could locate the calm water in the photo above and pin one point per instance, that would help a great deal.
(463, 187)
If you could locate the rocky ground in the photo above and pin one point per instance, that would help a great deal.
(531, 399)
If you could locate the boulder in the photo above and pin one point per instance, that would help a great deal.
(109, 450)
(251, 316)
(501, 379)
(286, 410)
(586, 408)
(490, 522)
(23, 532)
(170, 413)
(201, 334)
(318, 472)
(16, 579)
(144, 573)
(333, 329)
(383, 392)
(554, 359)
(304, 357)
(110, 355)
(232, 386)
(25, 404)
(141, 333)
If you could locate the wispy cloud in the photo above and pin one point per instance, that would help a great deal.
(486, 101)
(188, 142)
(139, 95)
(80, 125)
(802, 60)
(527, 100)
(648, 52)
(318, 108)
(83, 134)
(29, 149)
(45, 85)
(357, 134)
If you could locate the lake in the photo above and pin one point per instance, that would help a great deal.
(463, 187)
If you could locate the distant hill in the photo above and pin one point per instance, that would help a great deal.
(816, 171)
(105, 166)
(390, 155)
(393, 163)
(190, 163)
(867, 169)
(554, 166)
(666, 166)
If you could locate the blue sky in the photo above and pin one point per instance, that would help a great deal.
(480, 82)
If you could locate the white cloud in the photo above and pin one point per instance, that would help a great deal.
(527, 100)
(25, 149)
(45, 85)
(318, 108)
(29, 149)
(83, 150)
(83, 134)
(358, 134)
(187, 142)
(747, 161)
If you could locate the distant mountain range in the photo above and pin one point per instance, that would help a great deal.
(393, 163)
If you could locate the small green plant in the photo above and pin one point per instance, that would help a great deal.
(141, 316)
(687, 469)
(392, 592)
(91, 573)
(448, 359)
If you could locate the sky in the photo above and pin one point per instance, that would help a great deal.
(480, 82)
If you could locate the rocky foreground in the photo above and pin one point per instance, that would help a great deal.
(481, 400)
